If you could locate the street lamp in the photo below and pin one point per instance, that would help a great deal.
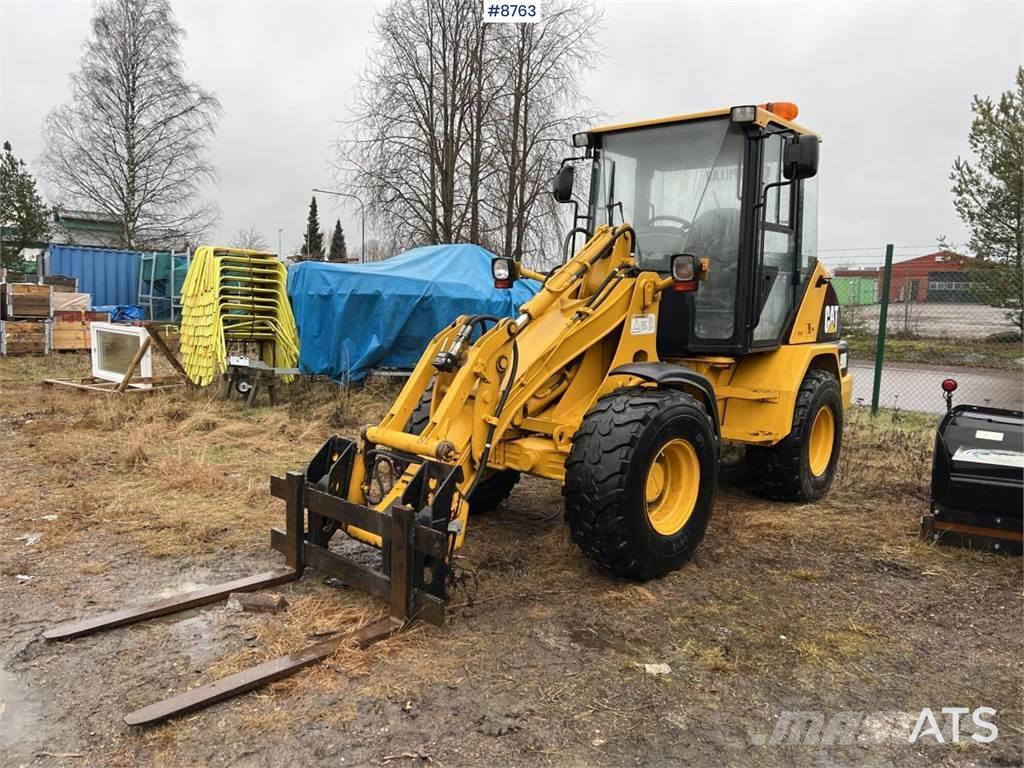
(362, 213)
(280, 254)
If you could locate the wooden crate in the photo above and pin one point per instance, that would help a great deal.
(79, 316)
(25, 301)
(60, 283)
(24, 337)
(66, 336)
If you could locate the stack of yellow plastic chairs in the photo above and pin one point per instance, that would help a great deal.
(232, 296)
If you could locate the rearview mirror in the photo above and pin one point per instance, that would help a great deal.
(800, 160)
(561, 186)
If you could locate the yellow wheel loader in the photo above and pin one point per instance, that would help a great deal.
(693, 312)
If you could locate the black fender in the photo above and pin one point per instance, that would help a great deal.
(674, 376)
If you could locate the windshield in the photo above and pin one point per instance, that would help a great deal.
(680, 186)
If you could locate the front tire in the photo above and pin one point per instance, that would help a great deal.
(640, 481)
(802, 465)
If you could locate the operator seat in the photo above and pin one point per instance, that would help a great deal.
(714, 235)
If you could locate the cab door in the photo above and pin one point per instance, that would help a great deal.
(783, 256)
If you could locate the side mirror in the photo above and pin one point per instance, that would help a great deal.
(561, 186)
(800, 159)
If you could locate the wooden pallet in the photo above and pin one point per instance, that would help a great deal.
(137, 385)
(130, 383)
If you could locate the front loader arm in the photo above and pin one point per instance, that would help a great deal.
(512, 370)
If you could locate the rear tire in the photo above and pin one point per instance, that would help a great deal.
(494, 487)
(640, 481)
(802, 465)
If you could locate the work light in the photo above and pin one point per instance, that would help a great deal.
(581, 139)
(684, 272)
(502, 271)
(745, 114)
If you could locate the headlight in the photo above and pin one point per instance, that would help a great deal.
(502, 271)
(745, 114)
(683, 267)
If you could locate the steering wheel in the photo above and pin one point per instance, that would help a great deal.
(683, 223)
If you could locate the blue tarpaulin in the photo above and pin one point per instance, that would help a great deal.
(355, 317)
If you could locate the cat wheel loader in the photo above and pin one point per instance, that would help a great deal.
(693, 312)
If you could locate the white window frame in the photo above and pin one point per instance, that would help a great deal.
(145, 367)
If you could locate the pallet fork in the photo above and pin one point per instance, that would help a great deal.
(412, 576)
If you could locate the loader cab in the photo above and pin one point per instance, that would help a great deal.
(736, 187)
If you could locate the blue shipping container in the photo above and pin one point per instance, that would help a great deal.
(112, 277)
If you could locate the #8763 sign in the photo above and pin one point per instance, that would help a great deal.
(512, 13)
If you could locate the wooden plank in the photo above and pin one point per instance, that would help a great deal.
(182, 602)
(233, 685)
(161, 344)
(110, 387)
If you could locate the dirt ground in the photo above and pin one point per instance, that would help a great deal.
(829, 609)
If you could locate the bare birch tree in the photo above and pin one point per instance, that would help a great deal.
(251, 239)
(459, 124)
(131, 140)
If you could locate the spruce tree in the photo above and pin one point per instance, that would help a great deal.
(313, 241)
(22, 210)
(337, 251)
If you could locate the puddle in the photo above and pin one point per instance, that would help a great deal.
(17, 715)
(197, 636)
(180, 588)
(588, 637)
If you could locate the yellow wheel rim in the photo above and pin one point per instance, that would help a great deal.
(670, 493)
(823, 434)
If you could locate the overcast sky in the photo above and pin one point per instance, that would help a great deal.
(887, 85)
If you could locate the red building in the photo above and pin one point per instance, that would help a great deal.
(943, 274)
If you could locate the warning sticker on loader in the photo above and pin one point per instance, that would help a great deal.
(643, 325)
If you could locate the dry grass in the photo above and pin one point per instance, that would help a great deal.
(181, 472)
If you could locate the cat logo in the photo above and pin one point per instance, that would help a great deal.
(831, 319)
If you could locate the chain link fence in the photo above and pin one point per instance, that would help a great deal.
(946, 316)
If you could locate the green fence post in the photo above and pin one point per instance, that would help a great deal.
(883, 317)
